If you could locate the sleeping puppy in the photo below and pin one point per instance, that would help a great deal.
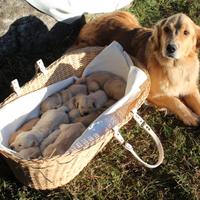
(48, 122)
(27, 126)
(113, 85)
(84, 104)
(58, 99)
(115, 88)
(99, 97)
(87, 104)
(69, 133)
(88, 119)
(49, 139)
(169, 51)
(30, 153)
(73, 114)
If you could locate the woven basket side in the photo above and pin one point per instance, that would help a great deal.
(60, 173)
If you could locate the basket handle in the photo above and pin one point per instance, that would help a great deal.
(148, 129)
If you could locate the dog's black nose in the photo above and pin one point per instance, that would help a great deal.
(171, 48)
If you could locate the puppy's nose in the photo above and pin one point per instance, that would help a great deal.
(12, 147)
(85, 113)
(171, 48)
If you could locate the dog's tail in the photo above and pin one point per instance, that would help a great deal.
(130, 19)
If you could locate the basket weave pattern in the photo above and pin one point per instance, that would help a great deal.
(57, 171)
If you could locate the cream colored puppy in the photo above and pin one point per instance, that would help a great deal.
(84, 104)
(88, 119)
(48, 122)
(99, 97)
(76, 89)
(58, 99)
(27, 126)
(109, 103)
(50, 139)
(73, 114)
(87, 104)
(30, 153)
(115, 88)
(70, 105)
(69, 133)
(113, 85)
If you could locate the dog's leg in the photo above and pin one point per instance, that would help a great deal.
(193, 101)
(176, 106)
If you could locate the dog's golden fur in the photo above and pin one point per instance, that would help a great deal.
(169, 51)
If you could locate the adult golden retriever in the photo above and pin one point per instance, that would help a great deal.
(169, 51)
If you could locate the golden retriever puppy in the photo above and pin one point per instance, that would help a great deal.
(88, 119)
(84, 104)
(48, 122)
(109, 103)
(115, 88)
(169, 51)
(99, 97)
(58, 99)
(87, 104)
(30, 153)
(49, 139)
(76, 89)
(69, 133)
(73, 114)
(71, 104)
(27, 126)
(113, 85)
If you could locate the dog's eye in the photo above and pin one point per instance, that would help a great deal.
(186, 32)
(19, 145)
(167, 29)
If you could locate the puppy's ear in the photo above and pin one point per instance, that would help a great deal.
(198, 36)
(156, 35)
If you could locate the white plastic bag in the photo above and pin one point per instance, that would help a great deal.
(66, 9)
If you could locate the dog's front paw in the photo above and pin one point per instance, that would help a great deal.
(191, 120)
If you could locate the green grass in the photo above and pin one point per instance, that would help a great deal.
(114, 173)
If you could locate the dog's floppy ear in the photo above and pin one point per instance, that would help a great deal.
(156, 35)
(198, 36)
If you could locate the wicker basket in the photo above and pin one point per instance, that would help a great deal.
(57, 171)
